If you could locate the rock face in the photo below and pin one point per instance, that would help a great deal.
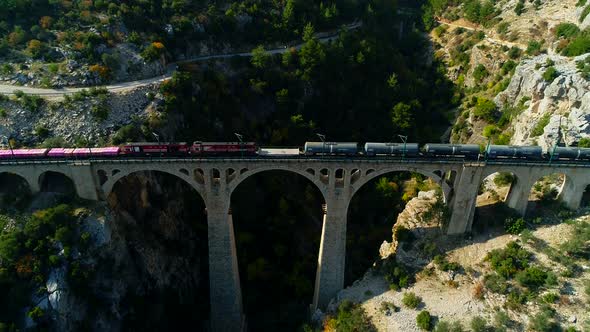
(566, 100)
(75, 121)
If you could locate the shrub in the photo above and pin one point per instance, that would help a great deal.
(478, 291)
(543, 321)
(533, 48)
(508, 67)
(584, 142)
(402, 234)
(444, 265)
(411, 300)
(479, 324)
(496, 283)
(100, 111)
(508, 261)
(352, 317)
(514, 52)
(388, 307)
(532, 277)
(566, 30)
(579, 45)
(504, 179)
(41, 131)
(514, 226)
(480, 72)
(485, 109)
(550, 74)
(423, 320)
(539, 128)
(519, 8)
(395, 273)
(501, 319)
(550, 298)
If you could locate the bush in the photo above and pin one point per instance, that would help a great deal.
(585, 13)
(423, 320)
(532, 277)
(584, 142)
(444, 265)
(543, 321)
(480, 72)
(479, 324)
(496, 283)
(514, 226)
(504, 179)
(514, 52)
(100, 111)
(352, 317)
(411, 300)
(579, 45)
(501, 319)
(508, 67)
(550, 74)
(395, 273)
(485, 109)
(533, 48)
(519, 8)
(566, 30)
(539, 128)
(508, 261)
(550, 298)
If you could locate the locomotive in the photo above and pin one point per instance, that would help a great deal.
(310, 149)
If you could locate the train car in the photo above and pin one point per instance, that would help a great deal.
(468, 151)
(392, 149)
(570, 153)
(330, 148)
(154, 149)
(24, 154)
(224, 148)
(514, 152)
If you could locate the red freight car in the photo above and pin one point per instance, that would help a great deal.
(151, 148)
(224, 148)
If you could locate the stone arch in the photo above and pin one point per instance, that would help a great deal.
(115, 172)
(321, 186)
(199, 176)
(498, 183)
(250, 232)
(107, 187)
(369, 223)
(52, 181)
(183, 171)
(12, 182)
(102, 176)
(373, 174)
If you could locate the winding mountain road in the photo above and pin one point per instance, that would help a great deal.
(7, 89)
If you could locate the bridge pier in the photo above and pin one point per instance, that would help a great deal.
(84, 181)
(329, 278)
(518, 197)
(463, 208)
(224, 278)
(572, 191)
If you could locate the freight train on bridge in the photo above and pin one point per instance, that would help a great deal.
(340, 149)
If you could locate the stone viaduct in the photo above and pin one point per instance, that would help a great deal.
(338, 179)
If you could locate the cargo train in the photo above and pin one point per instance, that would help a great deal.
(341, 149)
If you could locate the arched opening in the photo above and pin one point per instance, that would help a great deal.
(278, 223)
(57, 183)
(184, 171)
(102, 176)
(14, 191)
(379, 207)
(199, 176)
(544, 195)
(159, 223)
(586, 198)
(491, 209)
(324, 175)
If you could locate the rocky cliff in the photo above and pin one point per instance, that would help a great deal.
(563, 102)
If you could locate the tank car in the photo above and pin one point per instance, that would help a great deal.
(469, 151)
(512, 151)
(392, 149)
(572, 153)
(330, 148)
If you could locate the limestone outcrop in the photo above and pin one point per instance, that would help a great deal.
(561, 103)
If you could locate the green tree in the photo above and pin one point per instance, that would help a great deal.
(312, 52)
(480, 72)
(402, 116)
(423, 320)
(485, 109)
(260, 58)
